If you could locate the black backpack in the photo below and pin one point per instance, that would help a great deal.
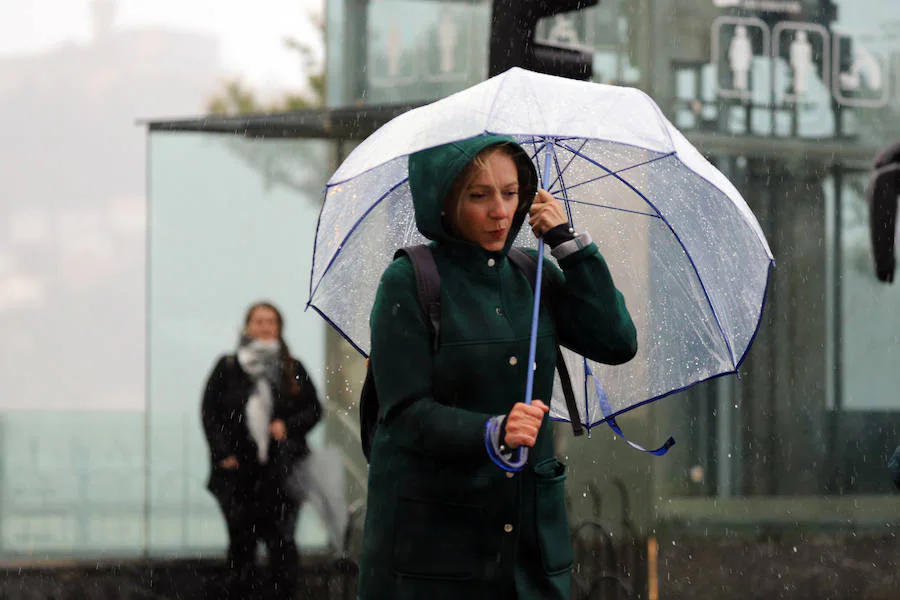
(428, 286)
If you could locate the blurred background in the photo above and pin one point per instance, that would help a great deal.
(161, 167)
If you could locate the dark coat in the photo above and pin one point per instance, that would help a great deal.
(224, 400)
(443, 521)
(882, 192)
(894, 466)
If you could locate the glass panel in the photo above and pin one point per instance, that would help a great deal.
(869, 411)
(71, 484)
(807, 417)
(420, 50)
(784, 73)
(232, 221)
(424, 50)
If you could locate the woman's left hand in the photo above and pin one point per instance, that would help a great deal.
(546, 213)
(278, 430)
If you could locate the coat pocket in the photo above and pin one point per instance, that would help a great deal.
(437, 536)
(550, 512)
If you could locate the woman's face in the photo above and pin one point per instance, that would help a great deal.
(486, 206)
(263, 324)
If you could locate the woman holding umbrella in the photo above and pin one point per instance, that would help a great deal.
(443, 521)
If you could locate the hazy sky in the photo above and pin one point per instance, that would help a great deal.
(249, 33)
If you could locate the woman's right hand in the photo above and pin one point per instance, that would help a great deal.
(523, 423)
(230, 463)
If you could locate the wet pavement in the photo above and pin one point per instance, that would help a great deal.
(322, 578)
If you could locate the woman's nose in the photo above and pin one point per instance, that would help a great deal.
(498, 207)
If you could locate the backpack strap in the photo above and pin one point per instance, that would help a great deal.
(428, 292)
(565, 381)
(428, 287)
(528, 265)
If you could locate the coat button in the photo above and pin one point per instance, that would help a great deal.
(491, 262)
(510, 474)
(513, 360)
(508, 528)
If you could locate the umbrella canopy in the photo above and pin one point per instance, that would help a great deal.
(682, 244)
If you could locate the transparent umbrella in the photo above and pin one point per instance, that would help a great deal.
(681, 242)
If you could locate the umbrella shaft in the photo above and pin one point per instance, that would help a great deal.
(536, 310)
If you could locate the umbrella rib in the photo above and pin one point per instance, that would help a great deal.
(609, 207)
(347, 237)
(686, 253)
(565, 194)
(562, 184)
(336, 328)
(561, 172)
(610, 172)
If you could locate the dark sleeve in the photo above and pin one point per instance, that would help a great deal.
(894, 466)
(212, 413)
(884, 186)
(306, 410)
(589, 311)
(402, 366)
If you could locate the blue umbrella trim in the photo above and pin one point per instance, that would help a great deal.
(312, 290)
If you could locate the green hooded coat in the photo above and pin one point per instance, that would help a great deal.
(444, 522)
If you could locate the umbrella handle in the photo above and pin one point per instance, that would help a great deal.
(520, 460)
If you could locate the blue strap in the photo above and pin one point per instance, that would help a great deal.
(606, 409)
(514, 465)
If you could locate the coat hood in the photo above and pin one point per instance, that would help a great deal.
(433, 171)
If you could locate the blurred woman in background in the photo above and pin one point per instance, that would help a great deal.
(258, 406)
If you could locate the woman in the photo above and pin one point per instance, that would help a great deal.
(443, 521)
(258, 407)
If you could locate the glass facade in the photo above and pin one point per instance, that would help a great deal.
(791, 100)
(231, 220)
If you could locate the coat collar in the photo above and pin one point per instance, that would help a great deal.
(474, 259)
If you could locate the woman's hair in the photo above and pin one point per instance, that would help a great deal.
(289, 381)
(453, 200)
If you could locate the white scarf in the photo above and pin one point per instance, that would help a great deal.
(259, 359)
